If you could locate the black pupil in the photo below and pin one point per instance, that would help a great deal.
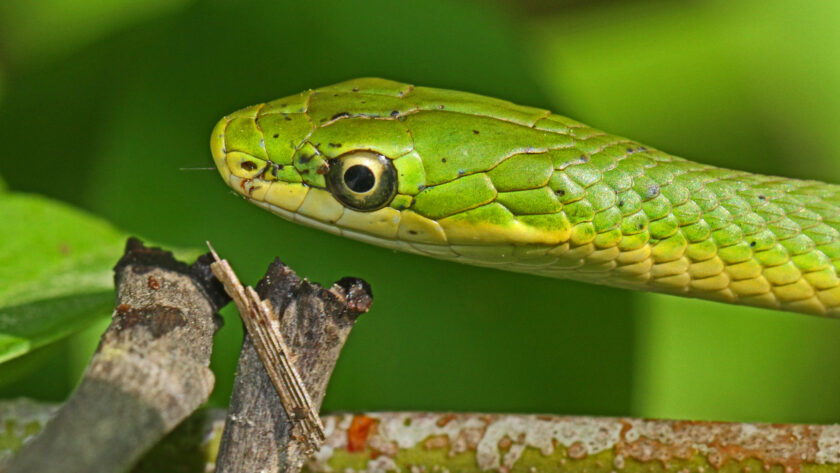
(359, 178)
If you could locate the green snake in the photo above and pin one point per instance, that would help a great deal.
(479, 180)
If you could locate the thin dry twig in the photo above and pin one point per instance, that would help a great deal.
(264, 328)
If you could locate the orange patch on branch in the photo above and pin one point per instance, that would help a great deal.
(358, 433)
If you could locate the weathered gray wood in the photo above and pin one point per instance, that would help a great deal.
(150, 371)
(315, 323)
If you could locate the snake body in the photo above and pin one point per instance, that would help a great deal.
(483, 181)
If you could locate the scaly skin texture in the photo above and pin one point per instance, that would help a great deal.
(490, 183)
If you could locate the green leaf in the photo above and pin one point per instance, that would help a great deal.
(55, 271)
(37, 323)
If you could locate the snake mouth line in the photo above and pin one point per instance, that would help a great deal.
(443, 251)
(503, 256)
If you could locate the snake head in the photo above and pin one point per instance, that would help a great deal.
(329, 158)
(411, 168)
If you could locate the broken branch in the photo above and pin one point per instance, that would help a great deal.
(150, 371)
(295, 332)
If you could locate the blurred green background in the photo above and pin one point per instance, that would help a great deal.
(103, 103)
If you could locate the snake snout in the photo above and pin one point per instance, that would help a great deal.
(238, 146)
(217, 147)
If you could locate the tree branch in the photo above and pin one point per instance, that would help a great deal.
(150, 371)
(314, 323)
(491, 442)
(441, 442)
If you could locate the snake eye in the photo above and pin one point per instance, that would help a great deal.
(362, 180)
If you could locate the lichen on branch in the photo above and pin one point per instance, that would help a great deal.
(444, 442)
